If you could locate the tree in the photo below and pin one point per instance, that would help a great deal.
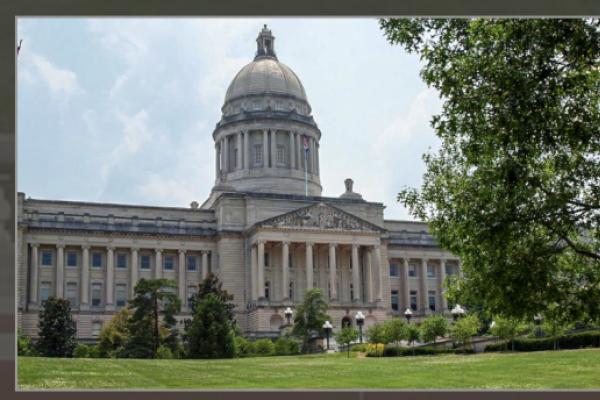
(395, 330)
(514, 189)
(432, 327)
(412, 335)
(376, 334)
(211, 284)
(507, 329)
(210, 333)
(153, 298)
(346, 336)
(310, 316)
(555, 323)
(464, 329)
(114, 335)
(56, 328)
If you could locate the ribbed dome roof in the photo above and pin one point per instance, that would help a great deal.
(265, 75)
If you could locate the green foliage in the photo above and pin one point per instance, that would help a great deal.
(573, 341)
(395, 330)
(432, 327)
(412, 335)
(210, 333)
(56, 328)
(507, 329)
(264, 347)
(514, 189)
(147, 331)
(114, 335)
(94, 351)
(395, 351)
(465, 328)
(211, 284)
(243, 347)
(286, 347)
(346, 336)
(24, 346)
(81, 351)
(310, 316)
(376, 334)
(359, 347)
(164, 352)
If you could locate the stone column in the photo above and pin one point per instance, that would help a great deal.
(158, 264)
(309, 265)
(217, 161)
(265, 148)
(261, 269)
(443, 300)
(60, 270)
(204, 264)
(226, 154)
(405, 285)
(181, 276)
(85, 278)
(273, 156)
(355, 273)
(246, 150)
(285, 262)
(369, 275)
(292, 151)
(239, 150)
(313, 158)
(317, 157)
(378, 268)
(253, 274)
(35, 265)
(222, 158)
(110, 275)
(299, 150)
(134, 271)
(332, 271)
(424, 287)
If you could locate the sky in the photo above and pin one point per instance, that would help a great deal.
(122, 110)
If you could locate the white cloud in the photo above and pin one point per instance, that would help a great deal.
(62, 82)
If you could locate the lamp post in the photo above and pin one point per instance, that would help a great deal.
(537, 319)
(408, 315)
(360, 320)
(288, 315)
(457, 312)
(327, 327)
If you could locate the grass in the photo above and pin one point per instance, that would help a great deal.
(566, 369)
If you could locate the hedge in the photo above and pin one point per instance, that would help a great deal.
(394, 351)
(572, 341)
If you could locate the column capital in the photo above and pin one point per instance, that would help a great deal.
(424, 261)
(182, 251)
(60, 245)
(311, 244)
(285, 242)
(35, 245)
(334, 245)
(110, 248)
(260, 241)
(207, 252)
(85, 246)
(135, 249)
(355, 245)
(158, 250)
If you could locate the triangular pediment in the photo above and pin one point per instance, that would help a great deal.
(320, 217)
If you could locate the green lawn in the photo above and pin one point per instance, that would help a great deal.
(566, 369)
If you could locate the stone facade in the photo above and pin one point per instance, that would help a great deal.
(265, 230)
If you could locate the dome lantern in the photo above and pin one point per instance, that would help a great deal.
(265, 44)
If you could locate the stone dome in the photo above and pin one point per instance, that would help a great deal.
(265, 75)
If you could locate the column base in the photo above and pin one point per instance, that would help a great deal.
(84, 307)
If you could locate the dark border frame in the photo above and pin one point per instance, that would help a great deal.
(11, 9)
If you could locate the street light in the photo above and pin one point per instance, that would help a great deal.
(327, 327)
(408, 315)
(288, 314)
(457, 312)
(360, 320)
(537, 318)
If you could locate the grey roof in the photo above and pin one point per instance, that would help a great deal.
(264, 76)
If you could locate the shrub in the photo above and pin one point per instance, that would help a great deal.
(362, 347)
(94, 352)
(81, 351)
(285, 346)
(243, 347)
(432, 327)
(375, 350)
(394, 351)
(574, 341)
(264, 347)
(163, 352)
(24, 346)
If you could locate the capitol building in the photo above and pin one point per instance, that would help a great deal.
(265, 230)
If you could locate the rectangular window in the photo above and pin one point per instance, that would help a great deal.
(266, 259)
(351, 291)
(290, 258)
(395, 300)
(235, 157)
(267, 289)
(71, 259)
(432, 300)
(97, 259)
(72, 294)
(258, 154)
(145, 261)
(431, 271)
(413, 299)
(47, 258)
(412, 270)
(96, 294)
(44, 291)
(169, 263)
(191, 290)
(191, 263)
(291, 291)
(393, 269)
(449, 270)
(122, 260)
(96, 328)
(121, 294)
(280, 154)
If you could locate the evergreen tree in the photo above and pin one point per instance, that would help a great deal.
(310, 317)
(211, 284)
(114, 336)
(56, 328)
(153, 298)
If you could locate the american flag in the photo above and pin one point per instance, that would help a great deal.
(305, 142)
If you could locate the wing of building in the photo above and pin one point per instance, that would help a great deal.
(265, 229)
